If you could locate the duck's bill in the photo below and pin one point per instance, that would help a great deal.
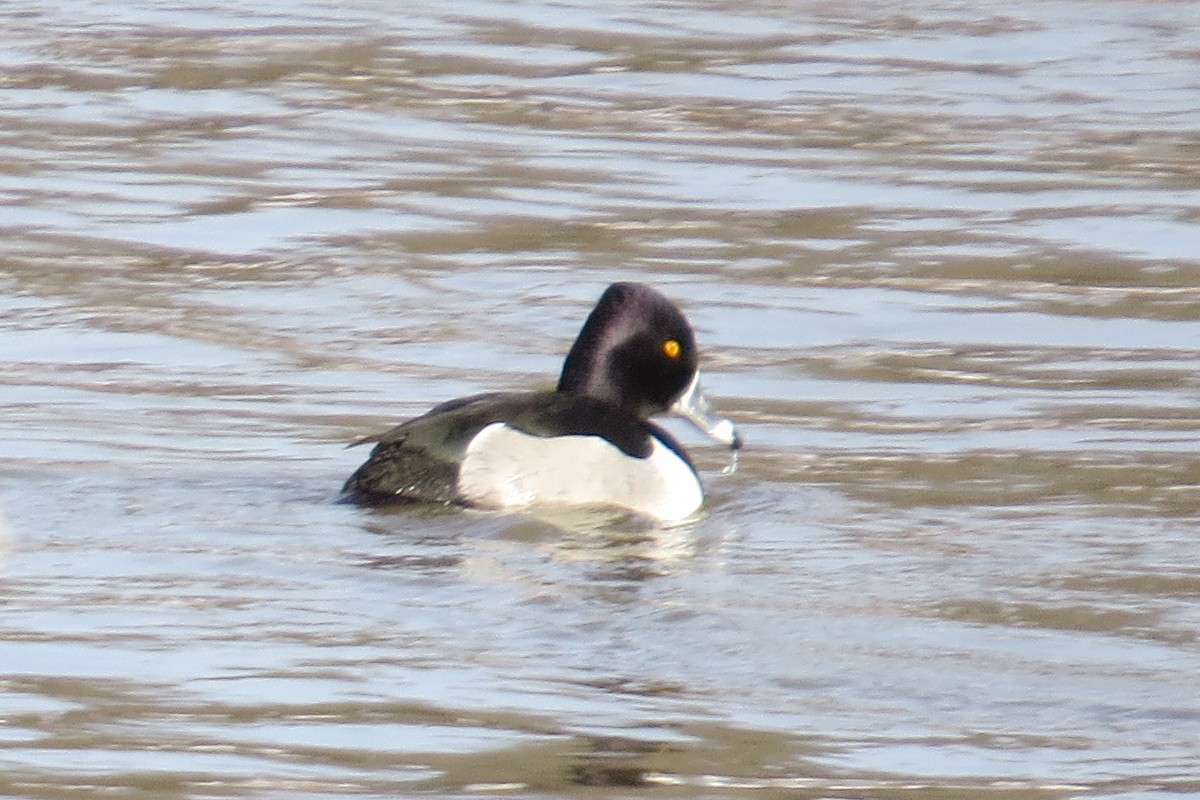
(693, 406)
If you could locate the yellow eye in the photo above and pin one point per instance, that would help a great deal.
(671, 348)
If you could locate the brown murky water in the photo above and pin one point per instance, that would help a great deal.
(944, 261)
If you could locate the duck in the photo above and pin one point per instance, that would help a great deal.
(590, 442)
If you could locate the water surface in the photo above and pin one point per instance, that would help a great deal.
(942, 259)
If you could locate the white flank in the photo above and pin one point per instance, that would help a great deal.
(504, 468)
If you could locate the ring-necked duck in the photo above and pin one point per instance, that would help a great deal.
(590, 442)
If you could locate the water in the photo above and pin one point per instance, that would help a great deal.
(942, 259)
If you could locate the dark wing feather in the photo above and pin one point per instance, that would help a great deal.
(417, 461)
